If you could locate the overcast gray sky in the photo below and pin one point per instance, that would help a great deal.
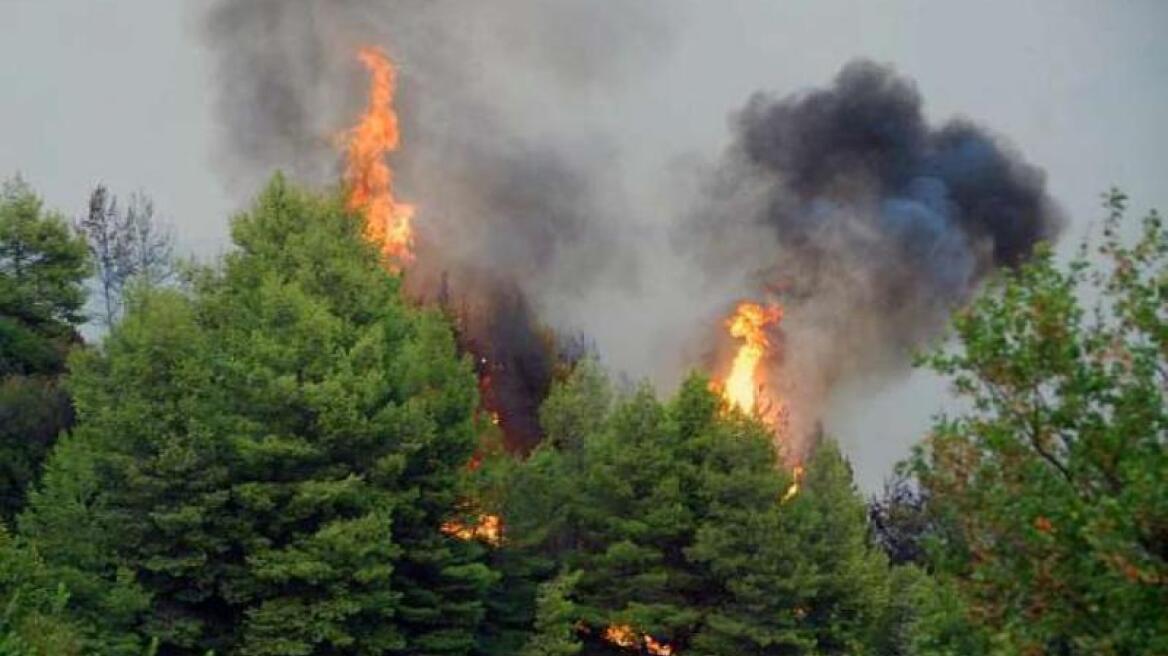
(119, 91)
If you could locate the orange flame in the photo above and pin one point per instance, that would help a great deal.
(367, 174)
(488, 528)
(623, 635)
(796, 480)
(749, 323)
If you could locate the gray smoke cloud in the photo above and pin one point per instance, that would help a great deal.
(517, 196)
(866, 222)
(869, 224)
(491, 148)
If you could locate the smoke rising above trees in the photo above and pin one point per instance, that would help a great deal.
(328, 442)
(867, 222)
(505, 196)
(853, 175)
(871, 224)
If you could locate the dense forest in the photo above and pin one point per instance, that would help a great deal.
(280, 453)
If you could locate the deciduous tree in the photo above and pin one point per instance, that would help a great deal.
(1054, 481)
(126, 245)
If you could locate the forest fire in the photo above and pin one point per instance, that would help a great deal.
(479, 346)
(623, 635)
(750, 323)
(367, 175)
(747, 378)
(388, 224)
(796, 480)
(488, 528)
(369, 181)
(493, 320)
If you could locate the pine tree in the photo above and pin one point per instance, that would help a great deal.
(276, 451)
(555, 619)
(33, 619)
(68, 523)
(42, 269)
(678, 518)
(535, 499)
(784, 574)
(635, 524)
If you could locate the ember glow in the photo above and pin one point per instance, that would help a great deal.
(368, 177)
(796, 479)
(487, 528)
(369, 181)
(623, 635)
(750, 323)
(657, 648)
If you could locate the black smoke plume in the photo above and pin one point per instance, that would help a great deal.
(870, 224)
(514, 362)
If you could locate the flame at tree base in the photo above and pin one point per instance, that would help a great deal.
(487, 528)
(796, 481)
(623, 635)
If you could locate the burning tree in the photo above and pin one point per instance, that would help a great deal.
(276, 454)
(746, 379)
(680, 522)
(367, 175)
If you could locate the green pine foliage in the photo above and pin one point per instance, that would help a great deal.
(33, 618)
(271, 455)
(674, 516)
(43, 266)
(69, 524)
(267, 460)
(555, 619)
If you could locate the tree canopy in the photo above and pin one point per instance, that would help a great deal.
(284, 455)
(43, 266)
(685, 530)
(1051, 489)
(276, 451)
